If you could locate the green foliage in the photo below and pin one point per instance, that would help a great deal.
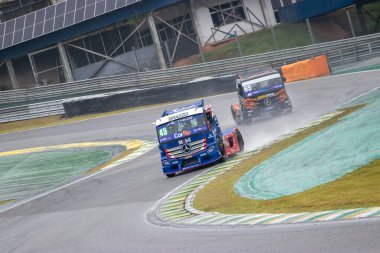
(287, 35)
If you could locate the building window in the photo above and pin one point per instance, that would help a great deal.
(227, 13)
(145, 38)
(167, 33)
(13, 9)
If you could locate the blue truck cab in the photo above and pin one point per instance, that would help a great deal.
(190, 137)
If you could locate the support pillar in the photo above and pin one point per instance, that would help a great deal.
(274, 37)
(156, 41)
(196, 31)
(350, 22)
(12, 74)
(65, 63)
(263, 11)
(310, 31)
(33, 65)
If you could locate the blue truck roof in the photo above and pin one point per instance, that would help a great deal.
(200, 104)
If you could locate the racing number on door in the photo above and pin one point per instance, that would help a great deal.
(163, 131)
(247, 87)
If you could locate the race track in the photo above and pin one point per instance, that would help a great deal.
(107, 212)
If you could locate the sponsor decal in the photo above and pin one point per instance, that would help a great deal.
(184, 141)
(200, 129)
(262, 96)
(168, 138)
(267, 96)
(178, 116)
(178, 135)
(182, 134)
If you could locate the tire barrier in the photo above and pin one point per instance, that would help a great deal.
(170, 93)
(315, 67)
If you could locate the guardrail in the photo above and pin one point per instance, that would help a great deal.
(175, 75)
(338, 52)
(31, 111)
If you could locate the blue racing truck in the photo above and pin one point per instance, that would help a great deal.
(190, 137)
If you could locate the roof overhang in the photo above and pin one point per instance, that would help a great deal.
(145, 6)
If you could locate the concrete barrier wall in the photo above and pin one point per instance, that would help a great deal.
(170, 93)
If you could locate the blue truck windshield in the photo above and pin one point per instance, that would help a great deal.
(181, 128)
(253, 86)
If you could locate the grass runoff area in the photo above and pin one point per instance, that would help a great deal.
(262, 42)
(29, 173)
(289, 36)
(357, 189)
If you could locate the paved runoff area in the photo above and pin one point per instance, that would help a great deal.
(355, 138)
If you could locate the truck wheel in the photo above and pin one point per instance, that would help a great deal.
(222, 150)
(237, 121)
(240, 140)
(170, 175)
(233, 113)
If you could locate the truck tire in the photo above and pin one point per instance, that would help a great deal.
(222, 150)
(240, 140)
(237, 121)
(170, 175)
(233, 113)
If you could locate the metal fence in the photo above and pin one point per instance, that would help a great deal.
(338, 52)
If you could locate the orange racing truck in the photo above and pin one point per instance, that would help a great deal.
(260, 95)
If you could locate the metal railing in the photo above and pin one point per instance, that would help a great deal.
(31, 111)
(338, 52)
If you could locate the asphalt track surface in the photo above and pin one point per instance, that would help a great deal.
(107, 212)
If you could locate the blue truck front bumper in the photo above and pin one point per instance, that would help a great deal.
(204, 157)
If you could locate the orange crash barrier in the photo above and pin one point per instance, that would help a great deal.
(307, 69)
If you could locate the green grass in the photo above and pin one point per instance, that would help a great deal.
(3, 202)
(29, 173)
(360, 188)
(288, 36)
(372, 11)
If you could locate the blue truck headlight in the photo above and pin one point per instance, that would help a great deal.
(165, 162)
(210, 150)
